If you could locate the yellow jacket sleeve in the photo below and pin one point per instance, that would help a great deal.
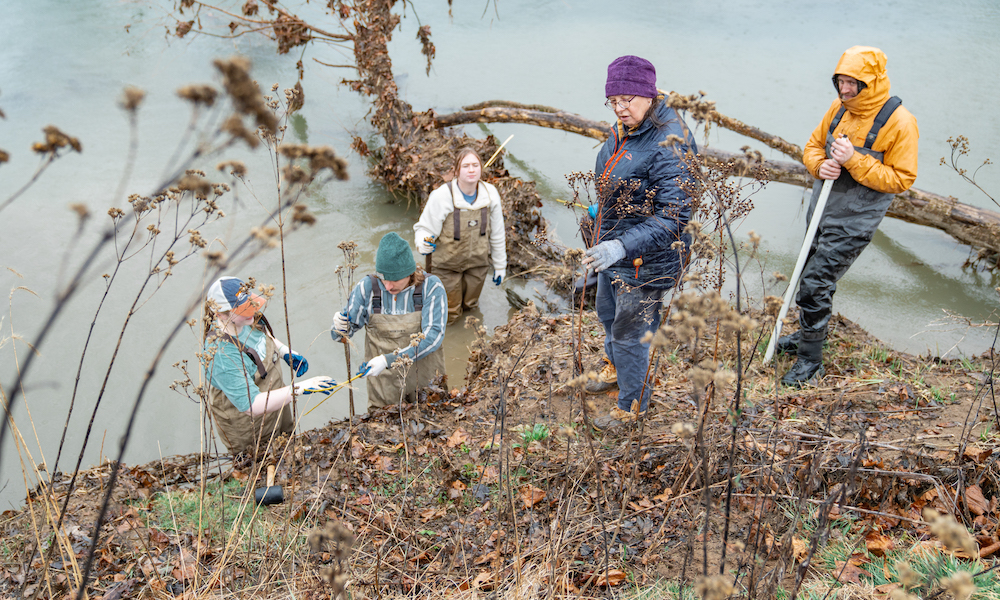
(814, 153)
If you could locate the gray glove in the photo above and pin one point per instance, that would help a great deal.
(604, 255)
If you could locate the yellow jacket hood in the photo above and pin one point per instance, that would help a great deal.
(866, 64)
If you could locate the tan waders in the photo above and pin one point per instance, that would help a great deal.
(386, 333)
(241, 431)
(462, 257)
(463, 287)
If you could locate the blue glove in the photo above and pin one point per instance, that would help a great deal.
(604, 255)
(592, 211)
(297, 362)
(499, 275)
(426, 246)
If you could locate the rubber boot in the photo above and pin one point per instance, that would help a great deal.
(808, 369)
(788, 344)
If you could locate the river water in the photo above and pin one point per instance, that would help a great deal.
(767, 63)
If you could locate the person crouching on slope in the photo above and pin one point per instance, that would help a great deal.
(394, 304)
(247, 393)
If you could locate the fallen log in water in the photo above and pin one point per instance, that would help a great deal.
(976, 227)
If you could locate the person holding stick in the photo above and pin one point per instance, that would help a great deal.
(639, 247)
(247, 394)
(867, 143)
(465, 218)
(395, 304)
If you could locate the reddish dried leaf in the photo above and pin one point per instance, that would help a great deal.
(848, 572)
(800, 549)
(977, 454)
(975, 500)
(531, 495)
(185, 566)
(429, 514)
(357, 448)
(458, 438)
(483, 581)
(878, 544)
(158, 537)
(382, 463)
(990, 550)
(490, 475)
(612, 577)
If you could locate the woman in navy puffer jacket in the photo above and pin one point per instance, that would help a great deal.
(641, 214)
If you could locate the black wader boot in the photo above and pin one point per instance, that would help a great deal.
(809, 366)
(788, 343)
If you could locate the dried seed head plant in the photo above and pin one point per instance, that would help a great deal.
(166, 228)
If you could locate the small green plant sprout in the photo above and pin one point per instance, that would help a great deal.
(939, 396)
(532, 433)
(878, 354)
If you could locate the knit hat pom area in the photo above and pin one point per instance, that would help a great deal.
(394, 260)
(631, 76)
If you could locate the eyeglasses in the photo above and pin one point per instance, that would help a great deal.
(840, 81)
(622, 104)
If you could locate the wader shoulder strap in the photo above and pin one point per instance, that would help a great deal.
(881, 118)
(456, 216)
(376, 295)
(418, 296)
(267, 326)
(837, 118)
(483, 215)
(246, 350)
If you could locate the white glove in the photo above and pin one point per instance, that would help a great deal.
(341, 324)
(375, 366)
(426, 247)
(603, 255)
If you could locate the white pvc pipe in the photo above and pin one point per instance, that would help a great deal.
(799, 265)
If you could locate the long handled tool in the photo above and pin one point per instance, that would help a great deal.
(799, 264)
(332, 390)
(495, 154)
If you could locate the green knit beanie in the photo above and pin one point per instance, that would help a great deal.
(394, 260)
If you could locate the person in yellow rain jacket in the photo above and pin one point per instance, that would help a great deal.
(867, 142)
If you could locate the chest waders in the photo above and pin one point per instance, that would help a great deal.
(853, 213)
(462, 257)
(386, 333)
(241, 431)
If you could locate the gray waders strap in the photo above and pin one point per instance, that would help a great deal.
(881, 119)
(418, 296)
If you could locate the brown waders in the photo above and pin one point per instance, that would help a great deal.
(241, 431)
(462, 257)
(386, 333)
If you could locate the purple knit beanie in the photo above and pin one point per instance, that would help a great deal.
(631, 76)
